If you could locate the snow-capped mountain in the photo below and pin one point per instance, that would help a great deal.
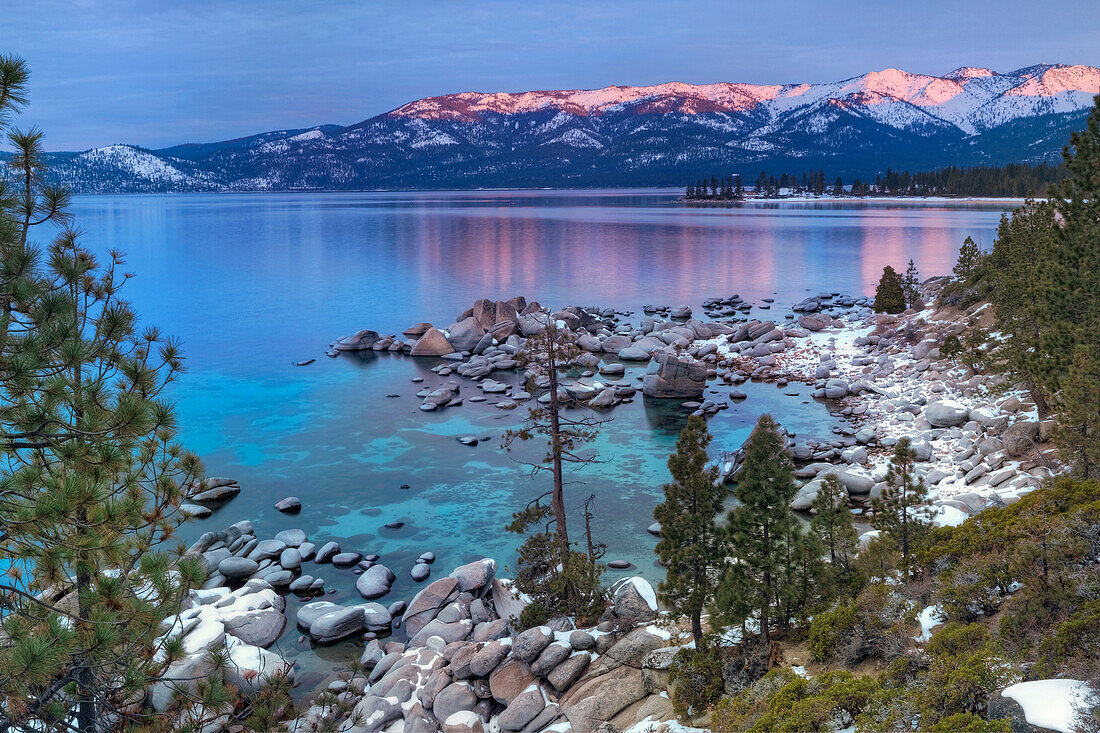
(624, 135)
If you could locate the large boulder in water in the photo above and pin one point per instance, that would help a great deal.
(415, 332)
(674, 377)
(488, 312)
(375, 582)
(465, 334)
(432, 343)
(337, 624)
(360, 341)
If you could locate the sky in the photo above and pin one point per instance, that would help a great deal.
(156, 73)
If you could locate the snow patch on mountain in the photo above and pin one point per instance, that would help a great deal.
(136, 162)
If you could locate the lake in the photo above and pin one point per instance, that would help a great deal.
(251, 283)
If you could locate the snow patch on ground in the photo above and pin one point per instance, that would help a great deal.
(929, 618)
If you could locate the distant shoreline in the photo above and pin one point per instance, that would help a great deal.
(861, 199)
(549, 189)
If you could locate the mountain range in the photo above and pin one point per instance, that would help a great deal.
(667, 134)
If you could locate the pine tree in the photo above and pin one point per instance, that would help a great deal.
(969, 255)
(833, 523)
(903, 509)
(1078, 429)
(93, 475)
(548, 569)
(1029, 302)
(911, 285)
(691, 546)
(1074, 317)
(804, 578)
(759, 529)
(890, 295)
(838, 187)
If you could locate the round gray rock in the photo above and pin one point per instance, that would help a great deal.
(375, 581)
(237, 567)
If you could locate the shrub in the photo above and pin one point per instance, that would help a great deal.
(874, 625)
(975, 587)
(533, 614)
(744, 664)
(783, 701)
(970, 723)
(828, 628)
(695, 679)
(1073, 650)
(963, 672)
(951, 347)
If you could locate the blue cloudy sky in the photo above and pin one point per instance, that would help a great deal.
(154, 73)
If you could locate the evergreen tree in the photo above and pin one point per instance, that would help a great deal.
(911, 285)
(1078, 429)
(691, 547)
(759, 529)
(560, 579)
(969, 255)
(804, 579)
(1029, 301)
(1075, 317)
(690, 192)
(838, 187)
(92, 476)
(903, 509)
(889, 295)
(833, 523)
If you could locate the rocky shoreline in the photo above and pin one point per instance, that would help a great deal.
(460, 666)
(978, 440)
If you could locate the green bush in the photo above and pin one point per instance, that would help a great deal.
(533, 614)
(951, 347)
(964, 671)
(874, 625)
(695, 679)
(1074, 648)
(828, 628)
(970, 723)
(783, 701)
(975, 587)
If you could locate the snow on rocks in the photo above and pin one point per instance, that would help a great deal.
(973, 447)
(242, 622)
(463, 670)
(1051, 704)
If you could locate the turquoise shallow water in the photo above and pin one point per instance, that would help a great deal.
(251, 283)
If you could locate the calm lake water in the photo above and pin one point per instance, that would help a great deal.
(251, 283)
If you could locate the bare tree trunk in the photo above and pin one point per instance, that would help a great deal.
(557, 498)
